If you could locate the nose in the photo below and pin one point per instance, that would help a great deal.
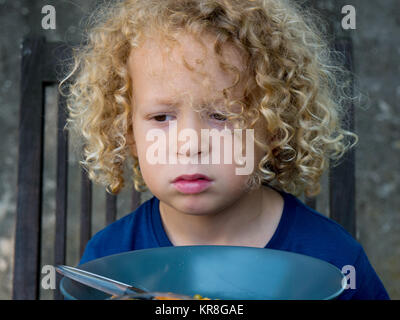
(189, 130)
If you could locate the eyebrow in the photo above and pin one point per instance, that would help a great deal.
(168, 102)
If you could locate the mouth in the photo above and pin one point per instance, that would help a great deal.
(192, 177)
(192, 184)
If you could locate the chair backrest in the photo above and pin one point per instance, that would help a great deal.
(342, 192)
(42, 66)
(41, 63)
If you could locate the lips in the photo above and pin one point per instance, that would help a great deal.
(192, 184)
(191, 177)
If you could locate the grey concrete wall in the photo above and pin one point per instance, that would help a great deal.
(376, 51)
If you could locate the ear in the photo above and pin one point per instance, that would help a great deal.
(130, 141)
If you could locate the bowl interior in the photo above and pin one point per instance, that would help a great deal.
(217, 272)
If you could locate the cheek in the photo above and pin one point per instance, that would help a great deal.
(146, 167)
(139, 133)
(151, 172)
(232, 185)
(228, 176)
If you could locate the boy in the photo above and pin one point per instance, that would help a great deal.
(154, 67)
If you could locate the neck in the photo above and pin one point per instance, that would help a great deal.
(234, 225)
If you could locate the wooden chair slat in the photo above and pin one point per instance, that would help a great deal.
(342, 202)
(54, 64)
(62, 190)
(135, 200)
(111, 208)
(86, 211)
(30, 172)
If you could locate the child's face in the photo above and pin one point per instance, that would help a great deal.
(157, 81)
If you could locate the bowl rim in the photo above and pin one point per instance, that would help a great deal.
(212, 247)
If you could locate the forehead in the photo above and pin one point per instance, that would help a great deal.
(188, 68)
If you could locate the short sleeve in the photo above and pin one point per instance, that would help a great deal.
(367, 285)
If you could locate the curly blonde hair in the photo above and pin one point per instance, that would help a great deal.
(297, 84)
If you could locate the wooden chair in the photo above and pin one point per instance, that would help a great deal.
(41, 63)
(42, 66)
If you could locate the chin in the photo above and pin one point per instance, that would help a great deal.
(195, 205)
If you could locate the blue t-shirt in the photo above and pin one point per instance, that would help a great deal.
(301, 230)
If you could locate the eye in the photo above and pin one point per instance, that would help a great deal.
(218, 116)
(160, 117)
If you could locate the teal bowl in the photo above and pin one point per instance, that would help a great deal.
(216, 272)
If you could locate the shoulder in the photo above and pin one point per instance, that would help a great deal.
(120, 235)
(126, 223)
(319, 236)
